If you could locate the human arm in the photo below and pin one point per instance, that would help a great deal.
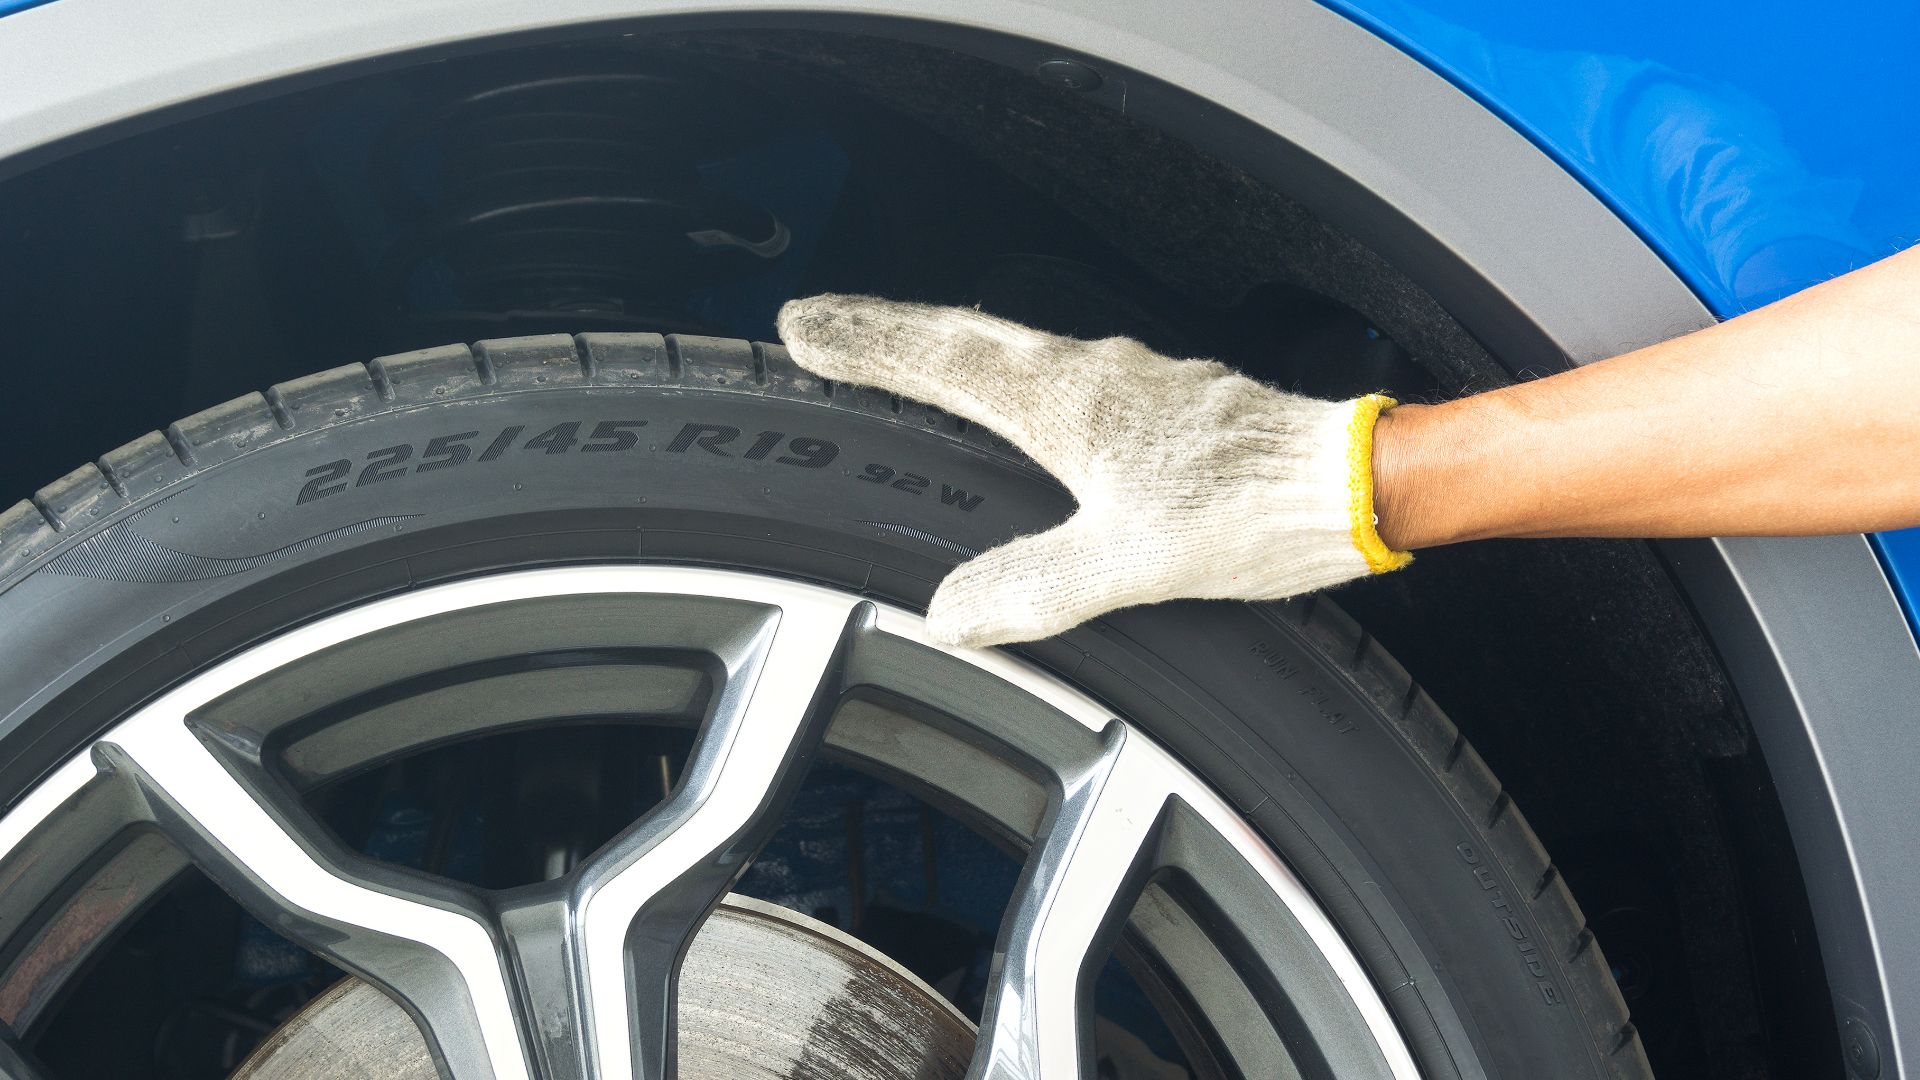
(1194, 481)
(1797, 418)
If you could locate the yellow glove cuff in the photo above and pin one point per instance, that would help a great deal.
(1366, 534)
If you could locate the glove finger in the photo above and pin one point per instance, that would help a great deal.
(1034, 587)
(999, 374)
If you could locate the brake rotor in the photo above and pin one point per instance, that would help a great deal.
(764, 994)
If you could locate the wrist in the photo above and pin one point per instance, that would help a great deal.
(1408, 493)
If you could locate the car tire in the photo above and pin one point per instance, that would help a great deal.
(271, 510)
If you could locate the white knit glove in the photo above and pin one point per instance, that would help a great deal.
(1193, 481)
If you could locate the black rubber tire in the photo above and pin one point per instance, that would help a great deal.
(274, 508)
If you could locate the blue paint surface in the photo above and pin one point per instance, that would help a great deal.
(1759, 148)
(1900, 553)
(8, 7)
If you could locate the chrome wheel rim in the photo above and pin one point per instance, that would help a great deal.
(575, 979)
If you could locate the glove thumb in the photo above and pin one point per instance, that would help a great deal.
(1026, 589)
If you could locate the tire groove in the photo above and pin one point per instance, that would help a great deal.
(1547, 877)
(589, 364)
(1580, 944)
(277, 405)
(1501, 804)
(112, 476)
(182, 449)
(46, 512)
(483, 365)
(759, 363)
(676, 365)
(382, 385)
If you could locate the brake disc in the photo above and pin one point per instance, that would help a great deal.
(765, 994)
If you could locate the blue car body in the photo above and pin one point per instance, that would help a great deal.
(1759, 148)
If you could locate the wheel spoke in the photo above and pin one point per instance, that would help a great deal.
(638, 904)
(439, 961)
(542, 950)
(1076, 890)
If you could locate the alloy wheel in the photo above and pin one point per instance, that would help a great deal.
(576, 977)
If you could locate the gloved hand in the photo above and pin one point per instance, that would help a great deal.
(1193, 481)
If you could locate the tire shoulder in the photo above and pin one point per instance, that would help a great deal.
(1503, 830)
(37, 527)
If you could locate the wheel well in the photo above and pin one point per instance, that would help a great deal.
(179, 267)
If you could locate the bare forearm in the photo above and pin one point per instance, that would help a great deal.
(1797, 418)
